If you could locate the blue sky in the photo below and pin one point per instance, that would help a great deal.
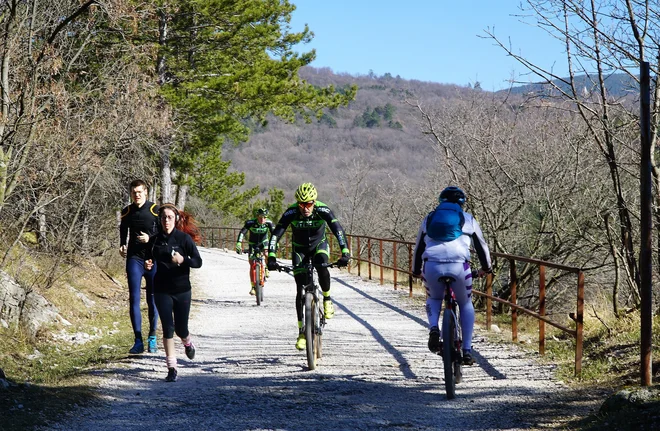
(427, 40)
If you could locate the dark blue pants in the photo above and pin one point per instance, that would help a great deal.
(134, 272)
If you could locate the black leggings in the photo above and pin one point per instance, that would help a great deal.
(318, 256)
(174, 310)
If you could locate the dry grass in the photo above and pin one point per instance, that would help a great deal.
(50, 376)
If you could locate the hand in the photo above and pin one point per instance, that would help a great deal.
(122, 250)
(482, 273)
(343, 260)
(143, 237)
(148, 264)
(238, 248)
(177, 258)
(272, 263)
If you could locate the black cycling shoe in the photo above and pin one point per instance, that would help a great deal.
(435, 345)
(467, 358)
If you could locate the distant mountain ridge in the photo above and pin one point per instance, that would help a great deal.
(619, 85)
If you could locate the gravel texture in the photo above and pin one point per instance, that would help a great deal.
(376, 372)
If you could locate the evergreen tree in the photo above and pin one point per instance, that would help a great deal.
(226, 61)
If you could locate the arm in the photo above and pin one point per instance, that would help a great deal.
(242, 233)
(420, 246)
(123, 226)
(481, 247)
(192, 257)
(336, 228)
(284, 222)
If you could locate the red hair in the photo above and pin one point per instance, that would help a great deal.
(188, 224)
(185, 222)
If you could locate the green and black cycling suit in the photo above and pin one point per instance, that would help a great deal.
(258, 233)
(308, 242)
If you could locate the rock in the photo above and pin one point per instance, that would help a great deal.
(630, 398)
(37, 312)
(12, 297)
(495, 328)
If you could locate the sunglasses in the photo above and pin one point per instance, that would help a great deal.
(306, 205)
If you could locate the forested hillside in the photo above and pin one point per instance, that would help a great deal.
(359, 156)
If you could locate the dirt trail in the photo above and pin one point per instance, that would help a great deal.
(376, 372)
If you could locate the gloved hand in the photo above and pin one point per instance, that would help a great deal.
(272, 263)
(239, 249)
(343, 260)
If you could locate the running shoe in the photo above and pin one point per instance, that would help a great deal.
(171, 375)
(137, 348)
(190, 351)
(435, 345)
(328, 309)
(152, 344)
(301, 343)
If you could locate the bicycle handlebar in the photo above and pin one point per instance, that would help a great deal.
(289, 268)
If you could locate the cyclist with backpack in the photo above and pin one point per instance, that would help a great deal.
(443, 248)
(308, 219)
(260, 227)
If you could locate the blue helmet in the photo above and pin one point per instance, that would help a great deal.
(452, 194)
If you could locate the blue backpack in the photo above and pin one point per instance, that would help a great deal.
(445, 223)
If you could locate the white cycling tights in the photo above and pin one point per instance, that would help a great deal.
(462, 287)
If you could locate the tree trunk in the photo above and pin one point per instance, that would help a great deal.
(181, 196)
(165, 177)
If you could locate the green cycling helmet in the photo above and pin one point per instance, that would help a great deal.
(306, 193)
(260, 212)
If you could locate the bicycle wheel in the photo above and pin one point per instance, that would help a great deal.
(458, 360)
(258, 284)
(448, 325)
(310, 320)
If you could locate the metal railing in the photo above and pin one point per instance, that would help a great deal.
(396, 256)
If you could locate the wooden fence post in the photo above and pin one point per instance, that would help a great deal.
(541, 309)
(514, 311)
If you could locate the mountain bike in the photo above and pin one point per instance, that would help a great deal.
(313, 314)
(452, 338)
(257, 270)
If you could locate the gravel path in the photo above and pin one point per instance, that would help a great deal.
(376, 372)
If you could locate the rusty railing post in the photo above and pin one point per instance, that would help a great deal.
(489, 302)
(350, 251)
(369, 255)
(541, 309)
(514, 311)
(579, 321)
(396, 264)
(359, 256)
(380, 261)
(410, 277)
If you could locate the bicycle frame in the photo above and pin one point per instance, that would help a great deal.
(257, 270)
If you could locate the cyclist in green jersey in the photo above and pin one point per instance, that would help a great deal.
(260, 227)
(308, 219)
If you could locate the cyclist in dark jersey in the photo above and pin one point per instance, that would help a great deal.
(260, 228)
(308, 219)
(139, 222)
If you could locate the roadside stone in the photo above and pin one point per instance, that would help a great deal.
(631, 398)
